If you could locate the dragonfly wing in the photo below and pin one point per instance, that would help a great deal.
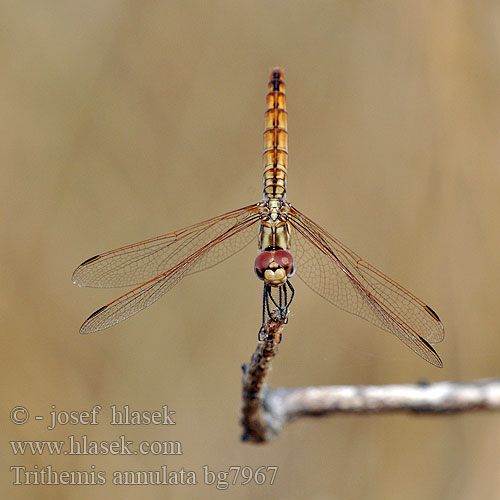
(139, 262)
(146, 294)
(340, 276)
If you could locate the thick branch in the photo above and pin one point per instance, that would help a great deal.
(435, 399)
(266, 411)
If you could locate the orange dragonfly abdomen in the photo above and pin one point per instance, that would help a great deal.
(275, 157)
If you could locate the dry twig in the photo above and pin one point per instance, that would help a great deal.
(257, 423)
(266, 411)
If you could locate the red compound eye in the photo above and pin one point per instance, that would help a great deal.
(281, 258)
(262, 262)
(285, 260)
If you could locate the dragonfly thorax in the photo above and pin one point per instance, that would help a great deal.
(274, 266)
(274, 231)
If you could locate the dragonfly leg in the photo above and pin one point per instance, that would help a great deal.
(282, 302)
(273, 300)
(284, 310)
(266, 310)
(265, 304)
(291, 290)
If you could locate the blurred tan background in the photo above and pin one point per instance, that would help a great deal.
(124, 120)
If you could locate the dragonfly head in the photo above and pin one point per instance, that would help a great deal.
(274, 266)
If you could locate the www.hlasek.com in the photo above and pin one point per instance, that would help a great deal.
(235, 475)
(82, 445)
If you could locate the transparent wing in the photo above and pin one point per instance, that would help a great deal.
(136, 263)
(347, 281)
(146, 294)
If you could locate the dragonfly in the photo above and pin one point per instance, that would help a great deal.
(289, 244)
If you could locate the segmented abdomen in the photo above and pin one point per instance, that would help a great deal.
(275, 138)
